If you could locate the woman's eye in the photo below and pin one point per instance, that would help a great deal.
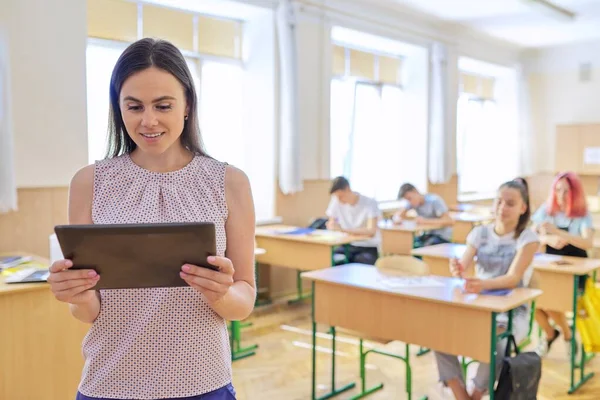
(164, 107)
(134, 108)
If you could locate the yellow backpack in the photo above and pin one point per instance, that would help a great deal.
(588, 317)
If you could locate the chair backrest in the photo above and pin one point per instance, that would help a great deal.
(405, 265)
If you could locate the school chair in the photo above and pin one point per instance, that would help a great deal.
(395, 265)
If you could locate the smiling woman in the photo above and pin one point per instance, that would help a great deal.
(160, 342)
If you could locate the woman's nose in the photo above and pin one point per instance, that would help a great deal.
(149, 118)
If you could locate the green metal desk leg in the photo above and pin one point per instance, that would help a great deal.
(494, 338)
(237, 351)
(334, 391)
(301, 296)
(583, 378)
(259, 302)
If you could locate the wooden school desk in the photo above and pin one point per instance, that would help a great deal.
(464, 222)
(560, 284)
(399, 239)
(41, 343)
(300, 252)
(356, 297)
(437, 257)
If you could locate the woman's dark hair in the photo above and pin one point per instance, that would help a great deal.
(520, 184)
(141, 55)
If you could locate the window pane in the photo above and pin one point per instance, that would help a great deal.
(100, 63)
(366, 140)
(342, 104)
(369, 139)
(221, 99)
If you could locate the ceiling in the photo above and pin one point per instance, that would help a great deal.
(523, 22)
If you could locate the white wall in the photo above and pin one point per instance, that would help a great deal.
(47, 42)
(557, 95)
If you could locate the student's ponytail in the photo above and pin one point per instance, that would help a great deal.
(521, 185)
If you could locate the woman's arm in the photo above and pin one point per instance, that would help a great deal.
(585, 241)
(459, 268)
(369, 230)
(233, 299)
(80, 212)
(445, 219)
(519, 265)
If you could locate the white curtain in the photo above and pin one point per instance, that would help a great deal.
(290, 179)
(525, 136)
(8, 187)
(441, 144)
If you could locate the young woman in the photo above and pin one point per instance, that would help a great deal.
(160, 343)
(566, 228)
(504, 251)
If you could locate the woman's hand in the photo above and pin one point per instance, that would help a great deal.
(556, 241)
(73, 287)
(212, 284)
(473, 285)
(549, 229)
(456, 268)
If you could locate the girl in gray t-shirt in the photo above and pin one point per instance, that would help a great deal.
(504, 251)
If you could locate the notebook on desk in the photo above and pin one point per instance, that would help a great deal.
(28, 275)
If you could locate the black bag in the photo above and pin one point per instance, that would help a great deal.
(319, 223)
(520, 375)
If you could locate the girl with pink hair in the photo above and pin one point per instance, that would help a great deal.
(565, 227)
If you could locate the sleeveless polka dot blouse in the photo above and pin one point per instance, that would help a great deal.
(158, 342)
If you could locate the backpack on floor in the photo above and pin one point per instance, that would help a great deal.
(520, 375)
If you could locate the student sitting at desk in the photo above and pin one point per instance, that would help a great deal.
(431, 209)
(504, 251)
(566, 228)
(353, 213)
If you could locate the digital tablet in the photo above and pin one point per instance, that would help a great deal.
(138, 255)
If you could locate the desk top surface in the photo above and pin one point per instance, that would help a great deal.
(541, 261)
(408, 226)
(431, 288)
(466, 216)
(6, 288)
(317, 236)
(444, 250)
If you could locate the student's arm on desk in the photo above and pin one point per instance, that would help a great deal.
(459, 268)
(370, 230)
(75, 287)
(444, 219)
(519, 265)
(585, 241)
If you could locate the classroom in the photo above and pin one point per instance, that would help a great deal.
(324, 199)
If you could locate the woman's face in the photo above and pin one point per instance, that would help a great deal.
(561, 191)
(509, 205)
(153, 106)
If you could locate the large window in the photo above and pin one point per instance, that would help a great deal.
(487, 129)
(366, 136)
(101, 60)
(378, 120)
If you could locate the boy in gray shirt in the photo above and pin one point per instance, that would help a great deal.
(431, 209)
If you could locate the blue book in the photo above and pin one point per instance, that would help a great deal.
(497, 292)
(299, 231)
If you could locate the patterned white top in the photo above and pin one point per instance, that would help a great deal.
(157, 342)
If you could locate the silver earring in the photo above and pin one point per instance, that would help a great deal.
(186, 117)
